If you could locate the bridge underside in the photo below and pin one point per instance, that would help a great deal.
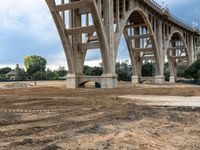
(151, 34)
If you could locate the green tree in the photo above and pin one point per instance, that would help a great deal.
(166, 71)
(92, 71)
(35, 65)
(39, 75)
(5, 70)
(198, 55)
(148, 69)
(193, 71)
(21, 74)
(51, 75)
(181, 70)
(62, 71)
(124, 71)
(3, 77)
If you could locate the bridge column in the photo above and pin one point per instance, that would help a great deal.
(172, 68)
(109, 80)
(159, 78)
(192, 55)
(133, 56)
(172, 77)
(137, 58)
(72, 81)
(172, 63)
(73, 78)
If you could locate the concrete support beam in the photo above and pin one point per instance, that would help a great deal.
(109, 81)
(80, 30)
(192, 49)
(136, 37)
(177, 47)
(159, 79)
(135, 25)
(71, 5)
(72, 81)
(135, 79)
(172, 79)
(86, 46)
(143, 49)
(123, 8)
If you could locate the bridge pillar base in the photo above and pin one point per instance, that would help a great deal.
(109, 81)
(135, 79)
(159, 79)
(72, 81)
(172, 79)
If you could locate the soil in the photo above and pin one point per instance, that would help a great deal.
(50, 117)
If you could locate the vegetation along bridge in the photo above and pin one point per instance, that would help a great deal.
(151, 33)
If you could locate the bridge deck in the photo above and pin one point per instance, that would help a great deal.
(171, 17)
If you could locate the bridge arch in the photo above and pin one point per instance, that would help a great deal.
(149, 34)
(96, 84)
(85, 79)
(180, 35)
(176, 52)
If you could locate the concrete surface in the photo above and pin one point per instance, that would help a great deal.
(182, 101)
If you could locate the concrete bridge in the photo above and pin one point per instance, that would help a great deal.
(151, 33)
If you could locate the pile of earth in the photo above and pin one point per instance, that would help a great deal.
(16, 85)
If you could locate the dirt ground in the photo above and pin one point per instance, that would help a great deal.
(50, 117)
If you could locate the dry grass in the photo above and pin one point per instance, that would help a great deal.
(49, 116)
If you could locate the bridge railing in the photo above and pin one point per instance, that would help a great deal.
(166, 11)
(179, 21)
(154, 5)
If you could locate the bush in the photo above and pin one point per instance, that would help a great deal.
(166, 71)
(5, 70)
(124, 71)
(3, 77)
(92, 71)
(193, 71)
(148, 69)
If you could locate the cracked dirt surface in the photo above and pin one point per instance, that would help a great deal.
(51, 117)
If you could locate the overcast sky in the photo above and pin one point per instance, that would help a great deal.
(27, 28)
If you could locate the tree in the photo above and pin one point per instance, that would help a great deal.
(62, 71)
(35, 64)
(193, 71)
(3, 77)
(39, 75)
(124, 71)
(148, 69)
(5, 70)
(198, 55)
(166, 71)
(21, 74)
(92, 71)
(181, 69)
(51, 75)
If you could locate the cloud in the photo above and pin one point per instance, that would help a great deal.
(57, 60)
(26, 28)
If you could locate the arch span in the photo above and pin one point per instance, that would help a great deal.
(177, 52)
(135, 51)
(180, 35)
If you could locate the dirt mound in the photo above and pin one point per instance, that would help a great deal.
(15, 85)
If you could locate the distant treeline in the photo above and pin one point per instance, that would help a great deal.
(35, 69)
